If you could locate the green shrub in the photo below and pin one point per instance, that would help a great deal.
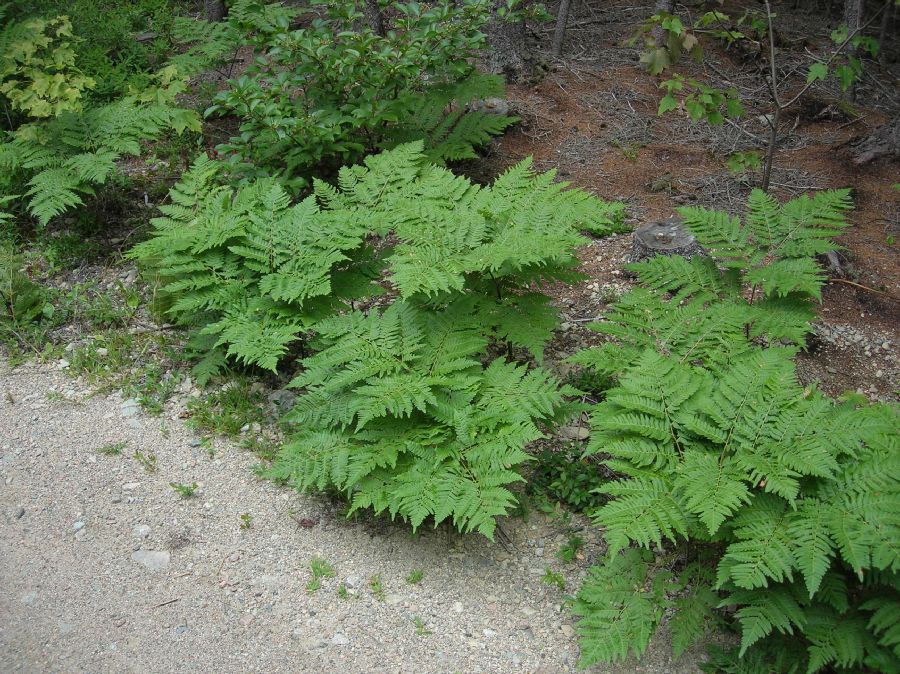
(329, 93)
(788, 502)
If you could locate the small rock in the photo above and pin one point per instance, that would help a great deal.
(155, 560)
(879, 373)
(234, 557)
(458, 607)
(130, 486)
(340, 639)
(62, 364)
(102, 351)
(392, 599)
(181, 629)
(80, 534)
(568, 630)
(352, 582)
(28, 598)
(245, 428)
(489, 633)
(19, 513)
(130, 408)
(246, 620)
(195, 442)
(141, 531)
(78, 526)
(574, 432)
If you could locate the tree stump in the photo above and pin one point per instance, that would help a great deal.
(882, 142)
(664, 237)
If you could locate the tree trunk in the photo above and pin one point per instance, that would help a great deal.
(214, 10)
(562, 18)
(373, 16)
(507, 50)
(661, 7)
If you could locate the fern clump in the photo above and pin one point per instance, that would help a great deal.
(252, 271)
(760, 282)
(401, 415)
(792, 499)
(255, 272)
(59, 160)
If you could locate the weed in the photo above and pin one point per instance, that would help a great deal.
(342, 592)
(246, 520)
(569, 551)
(229, 409)
(415, 576)
(184, 490)
(320, 569)
(148, 461)
(564, 476)
(377, 587)
(551, 577)
(421, 630)
(113, 449)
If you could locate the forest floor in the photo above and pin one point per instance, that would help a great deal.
(104, 567)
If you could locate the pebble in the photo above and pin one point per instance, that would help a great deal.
(352, 582)
(78, 526)
(130, 408)
(62, 364)
(20, 512)
(392, 599)
(195, 442)
(141, 531)
(28, 598)
(340, 639)
(458, 607)
(489, 633)
(155, 560)
(568, 630)
(130, 486)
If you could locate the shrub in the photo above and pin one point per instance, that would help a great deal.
(329, 93)
(782, 503)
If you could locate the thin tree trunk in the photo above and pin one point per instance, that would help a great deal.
(562, 18)
(214, 10)
(373, 16)
(883, 32)
(661, 7)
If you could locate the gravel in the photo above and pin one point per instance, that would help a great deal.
(152, 582)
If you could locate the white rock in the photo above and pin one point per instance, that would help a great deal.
(141, 531)
(155, 560)
(340, 639)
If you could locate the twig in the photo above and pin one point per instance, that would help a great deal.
(866, 288)
(166, 603)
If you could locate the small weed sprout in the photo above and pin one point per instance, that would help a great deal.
(415, 576)
(112, 449)
(320, 569)
(246, 520)
(569, 551)
(377, 587)
(184, 490)
(148, 461)
(421, 630)
(342, 592)
(551, 577)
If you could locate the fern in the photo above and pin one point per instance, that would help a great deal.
(401, 416)
(66, 157)
(717, 442)
(403, 411)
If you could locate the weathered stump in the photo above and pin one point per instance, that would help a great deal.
(882, 142)
(664, 237)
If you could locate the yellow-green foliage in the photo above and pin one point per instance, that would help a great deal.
(37, 68)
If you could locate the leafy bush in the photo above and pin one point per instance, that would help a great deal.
(257, 273)
(21, 299)
(791, 498)
(105, 35)
(326, 94)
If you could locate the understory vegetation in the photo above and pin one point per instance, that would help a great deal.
(315, 228)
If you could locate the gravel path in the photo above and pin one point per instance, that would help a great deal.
(104, 568)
